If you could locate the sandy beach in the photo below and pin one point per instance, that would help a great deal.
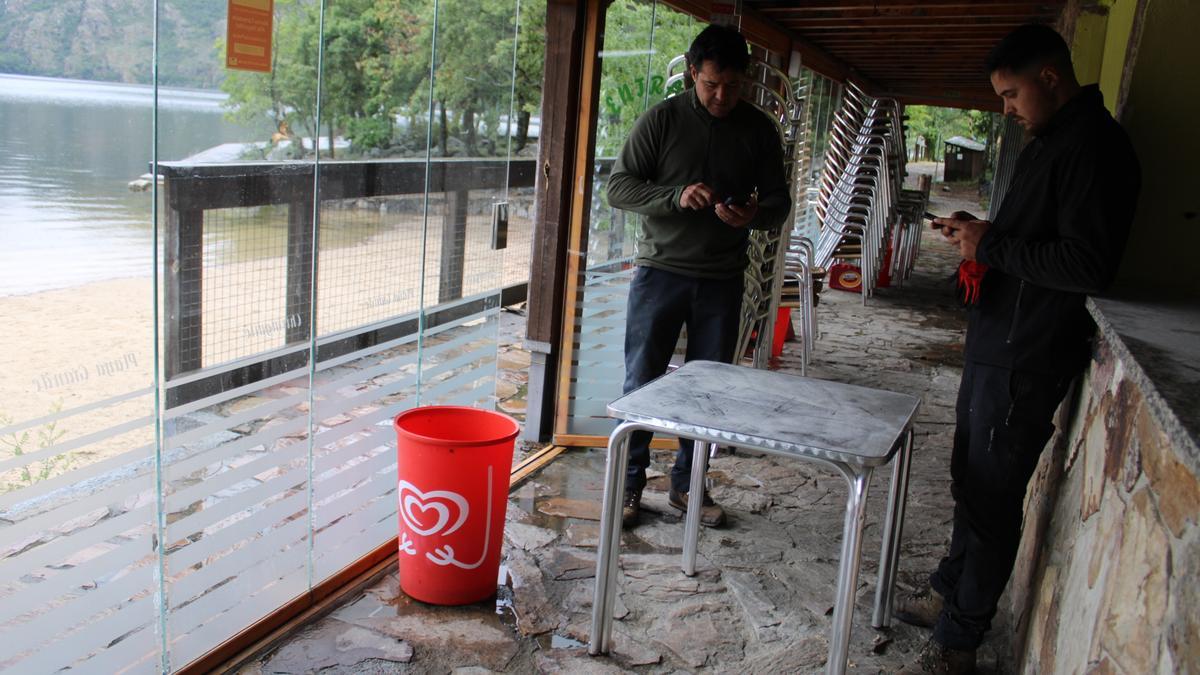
(76, 347)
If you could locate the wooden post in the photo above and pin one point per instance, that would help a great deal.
(584, 156)
(300, 270)
(183, 274)
(454, 245)
(561, 94)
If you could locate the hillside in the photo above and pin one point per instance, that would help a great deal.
(112, 40)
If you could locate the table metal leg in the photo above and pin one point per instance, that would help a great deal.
(610, 540)
(691, 530)
(893, 529)
(858, 479)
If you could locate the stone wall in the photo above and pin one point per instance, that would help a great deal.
(1106, 580)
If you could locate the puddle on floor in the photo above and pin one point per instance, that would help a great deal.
(556, 641)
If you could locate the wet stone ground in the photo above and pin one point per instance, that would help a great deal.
(761, 601)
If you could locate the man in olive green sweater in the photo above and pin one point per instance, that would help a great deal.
(700, 168)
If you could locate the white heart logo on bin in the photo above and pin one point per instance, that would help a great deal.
(415, 505)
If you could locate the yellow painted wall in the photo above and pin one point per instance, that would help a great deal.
(1160, 115)
(1116, 40)
(1100, 46)
(1087, 48)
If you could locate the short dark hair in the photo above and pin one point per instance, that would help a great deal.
(723, 46)
(1029, 45)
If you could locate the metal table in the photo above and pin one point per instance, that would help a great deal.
(849, 428)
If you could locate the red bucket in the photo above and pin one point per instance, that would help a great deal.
(453, 471)
(783, 324)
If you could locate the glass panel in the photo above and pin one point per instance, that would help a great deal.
(238, 228)
(370, 261)
(470, 93)
(265, 202)
(640, 39)
(77, 433)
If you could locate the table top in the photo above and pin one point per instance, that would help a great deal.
(773, 412)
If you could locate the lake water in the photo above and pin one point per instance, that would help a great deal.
(68, 150)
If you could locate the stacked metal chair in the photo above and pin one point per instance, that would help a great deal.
(800, 278)
(864, 212)
(774, 93)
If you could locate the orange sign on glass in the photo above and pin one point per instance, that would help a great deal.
(248, 40)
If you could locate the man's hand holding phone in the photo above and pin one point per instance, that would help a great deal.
(736, 214)
(962, 229)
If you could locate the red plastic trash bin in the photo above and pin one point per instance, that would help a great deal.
(783, 322)
(453, 466)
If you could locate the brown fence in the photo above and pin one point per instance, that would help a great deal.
(194, 191)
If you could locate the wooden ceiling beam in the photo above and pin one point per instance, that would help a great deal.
(892, 78)
(928, 51)
(943, 13)
(930, 47)
(898, 6)
(927, 74)
(932, 39)
(946, 98)
(964, 25)
(772, 35)
(936, 83)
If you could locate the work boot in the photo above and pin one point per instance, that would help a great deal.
(919, 609)
(631, 509)
(711, 515)
(938, 660)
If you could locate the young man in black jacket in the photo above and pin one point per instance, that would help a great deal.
(1058, 236)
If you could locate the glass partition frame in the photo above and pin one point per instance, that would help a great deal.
(228, 376)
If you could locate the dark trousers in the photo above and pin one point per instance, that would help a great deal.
(1004, 419)
(660, 304)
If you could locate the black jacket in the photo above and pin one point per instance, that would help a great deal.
(1058, 236)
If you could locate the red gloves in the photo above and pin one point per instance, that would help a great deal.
(970, 279)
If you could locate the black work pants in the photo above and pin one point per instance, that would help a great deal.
(1004, 419)
(660, 304)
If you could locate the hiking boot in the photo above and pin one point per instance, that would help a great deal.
(631, 509)
(938, 660)
(919, 609)
(711, 515)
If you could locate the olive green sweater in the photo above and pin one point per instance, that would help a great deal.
(677, 143)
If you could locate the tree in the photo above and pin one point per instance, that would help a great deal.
(640, 38)
(935, 125)
(377, 71)
(288, 94)
(472, 78)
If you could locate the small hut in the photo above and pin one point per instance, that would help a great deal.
(964, 159)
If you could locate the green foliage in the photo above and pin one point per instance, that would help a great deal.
(369, 132)
(640, 39)
(73, 39)
(936, 125)
(377, 74)
(20, 443)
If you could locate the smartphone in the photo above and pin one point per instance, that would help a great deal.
(735, 201)
(935, 226)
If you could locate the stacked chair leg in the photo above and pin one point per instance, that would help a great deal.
(870, 225)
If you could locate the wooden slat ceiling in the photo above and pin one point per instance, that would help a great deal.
(920, 51)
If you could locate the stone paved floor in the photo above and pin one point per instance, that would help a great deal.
(762, 600)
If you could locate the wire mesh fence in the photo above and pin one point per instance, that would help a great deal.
(239, 283)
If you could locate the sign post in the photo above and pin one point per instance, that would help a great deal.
(248, 38)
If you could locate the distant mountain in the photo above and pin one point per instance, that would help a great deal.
(112, 40)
